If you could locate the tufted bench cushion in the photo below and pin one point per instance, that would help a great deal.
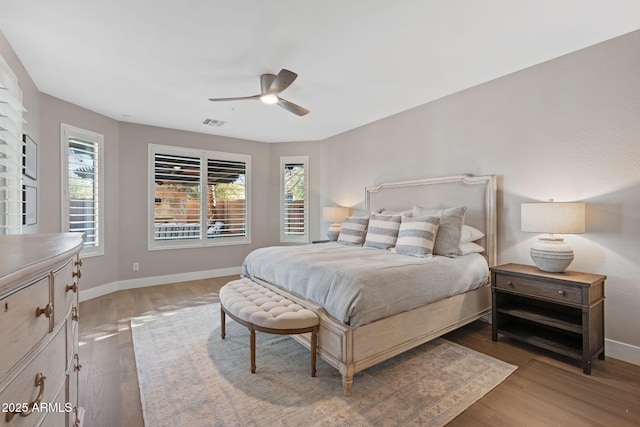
(259, 308)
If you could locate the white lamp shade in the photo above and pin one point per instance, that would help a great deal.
(553, 217)
(335, 214)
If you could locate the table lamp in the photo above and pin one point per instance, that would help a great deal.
(335, 215)
(550, 253)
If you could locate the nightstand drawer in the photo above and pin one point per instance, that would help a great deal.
(553, 291)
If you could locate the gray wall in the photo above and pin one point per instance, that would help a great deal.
(132, 173)
(567, 129)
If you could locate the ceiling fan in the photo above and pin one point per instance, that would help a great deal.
(271, 85)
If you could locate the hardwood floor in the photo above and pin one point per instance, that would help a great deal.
(544, 391)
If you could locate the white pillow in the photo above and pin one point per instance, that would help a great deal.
(417, 236)
(470, 234)
(470, 248)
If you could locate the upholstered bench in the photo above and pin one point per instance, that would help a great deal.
(261, 309)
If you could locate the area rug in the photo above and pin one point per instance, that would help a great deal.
(189, 376)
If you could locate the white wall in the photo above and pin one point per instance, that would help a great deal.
(568, 129)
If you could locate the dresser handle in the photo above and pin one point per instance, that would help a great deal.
(77, 274)
(73, 287)
(78, 263)
(510, 284)
(562, 293)
(39, 383)
(47, 310)
(77, 366)
(74, 314)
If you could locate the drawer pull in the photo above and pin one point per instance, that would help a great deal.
(77, 274)
(73, 287)
(510, 284)
(77, 366)
(562, 293)
(74, 314)
(78, 263)
(39, 383)
(47, 310)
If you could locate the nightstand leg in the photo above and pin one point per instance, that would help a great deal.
(586, 367)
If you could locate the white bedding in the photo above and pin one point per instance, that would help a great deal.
(358, 285)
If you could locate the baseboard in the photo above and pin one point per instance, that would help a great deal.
(142, 282)
(622, 351)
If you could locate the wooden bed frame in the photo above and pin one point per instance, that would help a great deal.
(351, 350)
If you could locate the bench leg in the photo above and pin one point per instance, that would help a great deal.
(252, 345)
(222, 323)
(314, 345)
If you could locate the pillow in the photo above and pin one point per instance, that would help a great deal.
(382, 232)
(449, 231)
(470, 248)
(417, 236)
(362, 212)
(353, 230)
(470, 234)
(389, 212)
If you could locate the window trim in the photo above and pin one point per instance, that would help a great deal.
(204, 155)
(66, 132)
(304, 238)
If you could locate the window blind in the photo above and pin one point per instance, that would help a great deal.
(83, 187)
(177, 197)
(294, 215)
(227, 208)
(199, 197)
(11, 111)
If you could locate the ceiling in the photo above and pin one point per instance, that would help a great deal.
(157, 62)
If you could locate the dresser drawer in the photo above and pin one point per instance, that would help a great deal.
(21, 328)
(29, 385)
(552, 291)
(63, 291)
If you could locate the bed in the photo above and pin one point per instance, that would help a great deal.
(357, 332)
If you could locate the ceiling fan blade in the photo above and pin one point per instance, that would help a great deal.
(240, 98)
(291, 107)
(282, 81)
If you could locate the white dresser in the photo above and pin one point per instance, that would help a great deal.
(39, 362)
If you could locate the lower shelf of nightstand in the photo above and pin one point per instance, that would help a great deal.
(565, 344)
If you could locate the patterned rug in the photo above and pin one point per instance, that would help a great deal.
(188, 376)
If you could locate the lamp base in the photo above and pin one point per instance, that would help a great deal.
(333, 232)
(551, 254)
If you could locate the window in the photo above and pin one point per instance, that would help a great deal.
(11, 110)
(294, 221)
(197, 198)
(83, 186)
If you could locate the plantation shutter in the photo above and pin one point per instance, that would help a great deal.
(226, 183)
(84, 198)
(177, 209)
(11, 120)
(294, 215)
(198, 198)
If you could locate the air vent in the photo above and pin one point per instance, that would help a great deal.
(213, 122)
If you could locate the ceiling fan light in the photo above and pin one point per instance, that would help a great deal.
(269, 99)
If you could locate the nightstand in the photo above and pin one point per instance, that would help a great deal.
(560, 312)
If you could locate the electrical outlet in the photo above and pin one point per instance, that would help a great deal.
(136, 266)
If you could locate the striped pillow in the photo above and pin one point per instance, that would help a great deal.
(353, 230)
(383, 231)
(417, 236)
